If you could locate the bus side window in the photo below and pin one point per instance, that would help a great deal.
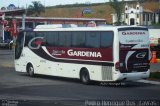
(93, 39)
(55, 38)
(64, 39)
(51, 39)
(78, 39)
(106, 39)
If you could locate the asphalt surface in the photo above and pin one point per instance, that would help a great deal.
(18, 89)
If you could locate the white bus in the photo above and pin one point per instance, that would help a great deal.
(87, 53)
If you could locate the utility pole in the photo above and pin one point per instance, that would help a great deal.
(3, 18)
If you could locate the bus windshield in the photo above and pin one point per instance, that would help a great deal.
(134, 37)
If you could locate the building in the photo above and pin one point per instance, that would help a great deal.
(32, 22)
(138, 16)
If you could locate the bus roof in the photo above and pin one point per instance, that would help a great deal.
(73, 27)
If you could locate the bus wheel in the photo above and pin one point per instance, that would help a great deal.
(30, 70)
(84, 76)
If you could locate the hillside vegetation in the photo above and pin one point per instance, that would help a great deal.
(101, 10)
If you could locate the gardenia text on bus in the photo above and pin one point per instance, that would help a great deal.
(83, 53)
(133, 33)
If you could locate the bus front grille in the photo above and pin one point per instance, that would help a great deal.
(107, 73)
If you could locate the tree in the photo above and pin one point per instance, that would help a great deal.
(36, 8)
(140, 1)
(118, 7)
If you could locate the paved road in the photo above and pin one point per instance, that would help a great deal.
(6, 58)
(54, 91)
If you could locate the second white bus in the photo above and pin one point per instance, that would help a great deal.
(87, 53)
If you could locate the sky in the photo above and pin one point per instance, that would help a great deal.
(24, 3)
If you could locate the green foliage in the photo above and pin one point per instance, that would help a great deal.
(36, 8)
(76, 5)
(118, 9)
(155, 75)
(101, 11)
(119, 23)
(155, 24)
(141, 1)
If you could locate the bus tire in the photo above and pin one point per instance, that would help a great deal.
(30, 70)
(84, 76)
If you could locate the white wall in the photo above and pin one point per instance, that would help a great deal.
(114, 18)
(156, 16)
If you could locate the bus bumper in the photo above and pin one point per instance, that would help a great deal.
(131, 76)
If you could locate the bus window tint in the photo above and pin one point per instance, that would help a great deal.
(51, 38)
(106, 39)
(93, 39)
(55, 38)
(28, 37)
(78, 39)
(64, 39)
(42, 34)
